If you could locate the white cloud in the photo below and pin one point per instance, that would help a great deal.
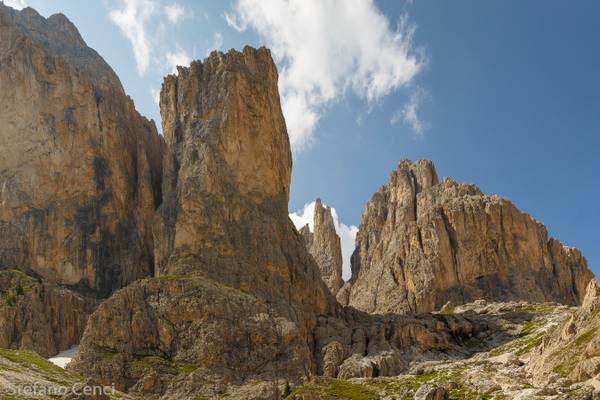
(408, 114)
(16, 4)
(325, 48)
(179, 57)
(174, 12)
(131, 18)
(155, 96)
(216, 44)
(346, 233)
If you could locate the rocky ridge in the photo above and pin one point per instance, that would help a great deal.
(237, 297)
(324, 245)
(423, 243)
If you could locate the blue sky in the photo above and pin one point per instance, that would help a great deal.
(504, 94)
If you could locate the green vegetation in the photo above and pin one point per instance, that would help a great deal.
(464, 394)
(350, 391)
(585, 337)
(448, 311)
(14, 284)
(336, 389)
(530, 342)
(161, 364)
(30, 363)
(29, 359)
(571, 354)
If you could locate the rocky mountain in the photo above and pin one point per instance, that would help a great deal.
(236, 294)
(323, 243)
(423, 243)
(208, 291)
(80, 178)
(80, 170)
(237, 299)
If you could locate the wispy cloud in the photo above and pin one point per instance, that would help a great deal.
(326, 48)
(217, 43)
(147, 24)
(408, 114)
(179, 57)
(174, 12)
(346, 233)
(131, 19)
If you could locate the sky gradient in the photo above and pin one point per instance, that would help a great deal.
(503, 94)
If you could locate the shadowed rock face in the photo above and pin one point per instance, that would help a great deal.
(325, 247)
(39, 316)
(422, 243)
(80, 168)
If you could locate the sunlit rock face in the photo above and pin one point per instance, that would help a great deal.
(323, 243)
(422, 243)
(237, 298)
(80, 169)
(236, 294)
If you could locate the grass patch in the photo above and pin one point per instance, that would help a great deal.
(350, 391)
(30, 359)
(530, 342)
(335, 389)
(585, 337)
(571, 353)
(465, 394)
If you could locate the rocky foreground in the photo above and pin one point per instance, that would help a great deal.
(529, 351)
(537, 351)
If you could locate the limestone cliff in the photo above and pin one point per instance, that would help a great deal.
(80, 168)
(236, 294)
(422, 243)
(237, 298)
(324, 245)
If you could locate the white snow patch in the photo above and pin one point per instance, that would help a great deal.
(64, 357)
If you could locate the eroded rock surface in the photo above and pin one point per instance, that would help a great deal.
(237, 295)
(80, 168)
(571, 351)
(39, 316)
(237, 298)
(324, 245)
(422, 243)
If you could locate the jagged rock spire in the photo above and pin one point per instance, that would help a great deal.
(422, 243)
(324, 245)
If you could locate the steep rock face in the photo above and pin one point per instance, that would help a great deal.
(237, 298)
(236, 295)
(80, 168)
(422, 243)
(38, 316)
(325, 247)
(226, 181)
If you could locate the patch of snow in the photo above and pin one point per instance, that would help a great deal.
(64, 357)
